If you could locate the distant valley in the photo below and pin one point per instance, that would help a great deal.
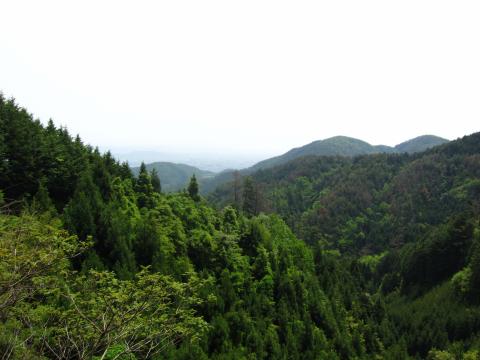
(174, 177)
(211, 161)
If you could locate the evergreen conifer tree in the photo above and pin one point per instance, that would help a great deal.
(249, 197)
(144, 188)
(42, 202)
(193, 188)
(157, 185)
(84, 209)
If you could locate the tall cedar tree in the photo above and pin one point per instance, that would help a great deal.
(193, 188)
(249, 197)
(157, 185)
(144, 187)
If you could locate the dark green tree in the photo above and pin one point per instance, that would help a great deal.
(157, 186)
(230, 219)
(82, 213)
(475, 269)
(41, 202)
(249, 197)
(118, 222)
(146, 239)
(144, 188)
(193, 188)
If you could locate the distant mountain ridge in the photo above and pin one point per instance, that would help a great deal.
(173, 176)
(347, 146)
(334, 146)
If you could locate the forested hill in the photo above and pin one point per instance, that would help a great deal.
(419, 144)
(335, 146)
(346, 146)
(338, 145)
(321, 195)
(98, 264)
(413, 218)
(175, 177)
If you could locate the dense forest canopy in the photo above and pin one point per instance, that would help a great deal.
(376, 256)
(367, 204)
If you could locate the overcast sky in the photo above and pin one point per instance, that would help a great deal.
(252, 77)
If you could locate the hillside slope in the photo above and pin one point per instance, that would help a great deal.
(318, 196)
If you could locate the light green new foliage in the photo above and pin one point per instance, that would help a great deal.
(47, 310)
(31, 254)
(33, 259)
(461, 281)
(445, 355)
(372, 261)
(145, 315)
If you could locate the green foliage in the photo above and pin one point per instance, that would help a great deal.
(157, 186)
(146, 314)
(461, 281)
(144, 188)
(82, 212)
(440, 355)
(372, 261)
(119, 352)
(193, 188)
(249, 197)
(66, 315)
(474, 267)
(33, 255)
(30, 152)
(30, 252)
(41, 202)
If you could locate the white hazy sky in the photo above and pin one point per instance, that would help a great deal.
(252, 77)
